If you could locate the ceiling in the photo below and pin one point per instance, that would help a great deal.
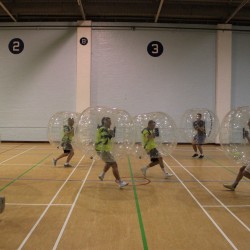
(236, 12)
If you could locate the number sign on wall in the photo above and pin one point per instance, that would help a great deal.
(155, 48)
(16, 46)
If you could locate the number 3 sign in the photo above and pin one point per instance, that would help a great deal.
(155, 48)
(16, 46)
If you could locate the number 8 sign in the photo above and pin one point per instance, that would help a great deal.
(16, 46)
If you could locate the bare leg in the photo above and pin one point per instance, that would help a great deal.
(200, 149)
(2, 204)
(194, 147)
(152, 163)
(115, 171)
(70, 155)
(61, 156)
(105, 170)
(240, 175)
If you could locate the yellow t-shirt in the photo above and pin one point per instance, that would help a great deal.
(148, 144)
(103, 139)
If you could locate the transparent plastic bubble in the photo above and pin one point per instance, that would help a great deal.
(55, 126)
(234, 134)
(121, 124)
(165, 131)
(212, 124)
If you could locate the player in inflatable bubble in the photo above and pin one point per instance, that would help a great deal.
(244, 170)
(103, 147)
(148, 138)
(68, 151)
(199, 138)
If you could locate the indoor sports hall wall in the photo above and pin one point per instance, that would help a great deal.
(37, 79)
(40, 74)
(240, 69)
(125, 75)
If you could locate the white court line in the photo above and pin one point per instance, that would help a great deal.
(202, 208)
(219, 149)
(217, 166)
(72, 207)
(217, 199)
(239, 206)
(47, 208)
(17, 155)
(29, 204)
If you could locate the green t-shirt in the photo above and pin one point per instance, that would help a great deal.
(103, 139)
(148, 144)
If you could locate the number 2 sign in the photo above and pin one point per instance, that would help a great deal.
(16, 46)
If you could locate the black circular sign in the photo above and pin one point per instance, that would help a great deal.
(155, 48)
(16, 46)
(83, 41)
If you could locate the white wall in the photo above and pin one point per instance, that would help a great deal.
(241, 69)
(124, 75)
(46, 77)
(36, 83)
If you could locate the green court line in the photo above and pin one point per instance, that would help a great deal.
(28, 170)
(143, 235)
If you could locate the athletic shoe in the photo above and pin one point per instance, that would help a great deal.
(168, 175)
(122, 184)
(229, 187)
(195, 155)
(144, 171)
(101, 177)
(67, 165)
(54, 162)
(201, 156)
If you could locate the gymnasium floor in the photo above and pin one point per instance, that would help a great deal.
(69, 208)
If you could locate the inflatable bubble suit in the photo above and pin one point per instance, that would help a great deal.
(55, 126)
(89, 121)
(235, 133)
(211, 124)
(166, 139)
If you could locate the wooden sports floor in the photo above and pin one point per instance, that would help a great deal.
(70, 208)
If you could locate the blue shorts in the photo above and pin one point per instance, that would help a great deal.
(199, 139)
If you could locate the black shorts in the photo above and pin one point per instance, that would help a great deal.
(154, 159)
(154, 155)
(66, 151)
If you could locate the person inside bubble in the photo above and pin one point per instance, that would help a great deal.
(103, 147)
(148, 138)
(199, 138)
(68, 151)
(244, 170)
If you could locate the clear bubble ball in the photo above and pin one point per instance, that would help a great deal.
(165, 131)
(56, 124)
(90, 120)
(234, 135)
(212, 124)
